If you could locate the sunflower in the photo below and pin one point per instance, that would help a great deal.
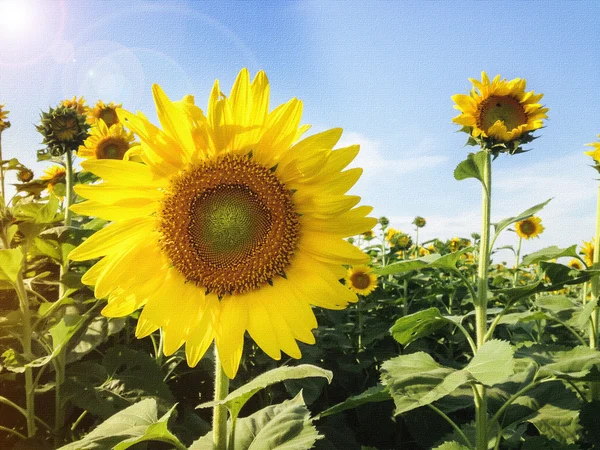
(390, 233)
(78, 104)
(4, 123)
(232, 224)
(588, 252)
(499, 109)
(575, 264)
(595, 153)
(529, 228)
(361, 280)
(54, 175)
(106, 142)
(103, 112)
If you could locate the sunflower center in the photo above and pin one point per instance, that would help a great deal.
(527, 227)
(506, 109)
(111, 149)
(360, 280)
(229, 225)
(109, 116)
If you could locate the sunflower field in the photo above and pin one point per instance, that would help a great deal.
(207, 282)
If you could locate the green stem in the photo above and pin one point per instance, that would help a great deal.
(595, 317)
(517, 261)
(361, 322)
(16, 433)
(481, 305)
(453, 425)
(220, 411)
(60, 361)
(2, 192)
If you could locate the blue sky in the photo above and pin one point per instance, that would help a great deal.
(383, 71)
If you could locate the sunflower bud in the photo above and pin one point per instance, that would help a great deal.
(63, 129)
(419, 222)
(3, 122)
(25, 175)
(384, 221)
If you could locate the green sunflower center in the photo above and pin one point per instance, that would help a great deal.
(360, 280)
(109, 116)
(527, 227)
(506, 109)
(229, 225)
(111, 148)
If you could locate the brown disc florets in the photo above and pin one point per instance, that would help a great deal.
(228, 225)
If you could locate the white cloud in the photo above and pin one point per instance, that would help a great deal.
(374, 163)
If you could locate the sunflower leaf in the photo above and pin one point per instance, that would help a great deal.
(238, 398)
(416, 380)
(493, 363)
(548, 253)
(374, 394)
(414, 326)
(472, 167)
(499, 226)
(453, 445)
(10, 264)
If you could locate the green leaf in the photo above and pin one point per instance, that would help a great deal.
(493, 363)
(561, 275)
(238, 398)
(137, 423)
(582, 318)
(416, 380)
(451, 446)
(434, 261)
(374, 394)
(559, 418)
(10, 264)
(548, 253)
(286, 426)
(414, 326)
(499, 226)
(519, 292)
(472, 167)
(555, 303)
(578, 363)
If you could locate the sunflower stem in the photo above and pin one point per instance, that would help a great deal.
(481, 304)
(517, 261)
(2, 171)
(594, 319)
(60, 361)
(220, 411)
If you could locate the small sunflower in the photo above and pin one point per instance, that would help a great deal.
(390, 233)
(103, 112)
(78, 104)
(368, 235)
(595, 153)
(4, 123)
(499, 109)
(588, 252)
(575, 264)
(529, 228)
(54, 175)
(106, 142)
(361, 280)
(457, 244)
(232, 224)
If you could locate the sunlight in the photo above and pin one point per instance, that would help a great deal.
(15, 16)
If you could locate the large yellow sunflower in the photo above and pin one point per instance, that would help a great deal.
(230, 224)
(361, 279)
(499, 109)
(104, 112)
(106, 142)
(529, 228)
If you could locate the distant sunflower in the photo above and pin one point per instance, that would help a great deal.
(575, 264)
(588, 252)
(390, 233)
(106, 143)
(361, 280)
(78, 104)
(105, 112)
(4, 123)
(54, 175)
(595, 153)
(529, 228)
(499, 109)
(231, 224)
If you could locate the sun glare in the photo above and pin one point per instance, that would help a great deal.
(15, 16)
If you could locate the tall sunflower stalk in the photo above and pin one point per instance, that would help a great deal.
(499, 117)
(595, 282)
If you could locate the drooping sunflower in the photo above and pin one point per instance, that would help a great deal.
(588, 252)
(103, 112)
(529, 228)
(499, 109)
(361, 280)
(78, 104)
(106, 142)
(231, 224)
